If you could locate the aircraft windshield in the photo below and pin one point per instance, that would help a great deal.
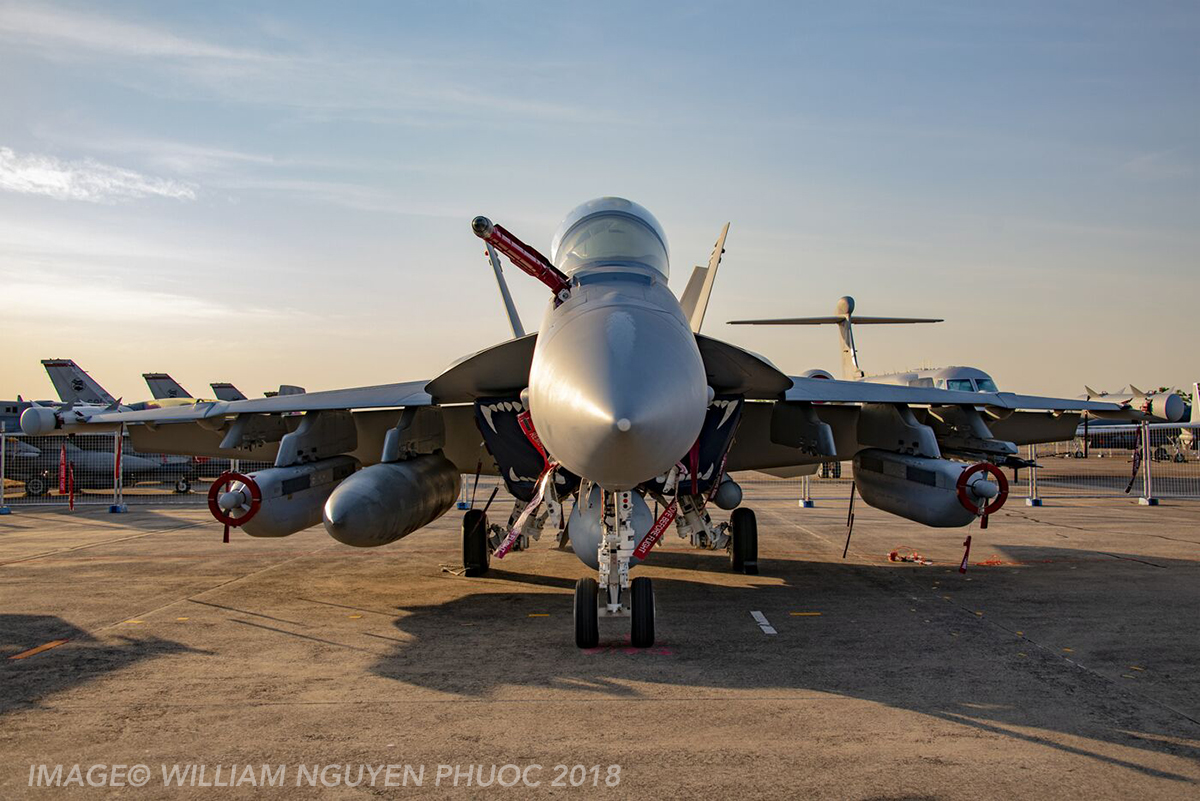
(609, 231)
(986, 385)
(960, 385)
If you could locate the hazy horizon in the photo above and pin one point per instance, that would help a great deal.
(268, 194)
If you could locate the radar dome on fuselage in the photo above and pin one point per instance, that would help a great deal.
(610, 231)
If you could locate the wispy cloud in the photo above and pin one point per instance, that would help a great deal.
(1161, 166)
(46, 27)
(298, 76)
(85, 180)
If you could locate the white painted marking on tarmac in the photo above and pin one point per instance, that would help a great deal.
(763, 623)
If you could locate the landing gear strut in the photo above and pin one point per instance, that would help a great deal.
(620, 597)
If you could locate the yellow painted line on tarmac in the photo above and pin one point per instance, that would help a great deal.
(539, 614)
(1022, 653)
(979, 614)
(1069, 650)
(354, 617)
(46, 646)
(805, 614)
(1135, 667)
(182, 618)
(135, 621)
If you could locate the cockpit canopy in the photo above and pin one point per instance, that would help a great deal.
(609, 231)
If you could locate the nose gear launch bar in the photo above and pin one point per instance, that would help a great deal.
(522, 255)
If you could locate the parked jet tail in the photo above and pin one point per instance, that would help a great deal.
(163, 386)
(73, 384)
(227, 392)
(845, 320)
(694, 299)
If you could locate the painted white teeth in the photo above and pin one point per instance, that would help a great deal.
(487, 415)
(730, 406)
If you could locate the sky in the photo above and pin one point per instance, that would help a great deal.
(271, 193)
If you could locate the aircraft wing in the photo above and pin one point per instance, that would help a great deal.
(823, 390)
(821, 420)
(384, 396)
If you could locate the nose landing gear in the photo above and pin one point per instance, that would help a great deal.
(621, 597)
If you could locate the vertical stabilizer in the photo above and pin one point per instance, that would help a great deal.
(227, 392)
(514, 319)
(699, 303)
(73, 384)
(1195, 418)
(163, 386)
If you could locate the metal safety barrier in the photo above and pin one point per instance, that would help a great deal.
(102, 469)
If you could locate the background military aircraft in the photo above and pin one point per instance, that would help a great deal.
(616, 400)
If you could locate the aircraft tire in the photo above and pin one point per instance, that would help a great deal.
(641, 599)
(587, 617)
(743, 545)
(475, 545)
(1180, 458)
(183, 486)
(1160, 454)
(36, 486)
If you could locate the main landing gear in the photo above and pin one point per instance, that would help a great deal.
(743, 541)
(476, 556)
(614, 594)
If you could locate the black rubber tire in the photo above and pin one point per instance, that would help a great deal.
(587, 615)
(1160, 454)
(641, 603)
(476, 558)
(1180, 458)
(36, 486)
(743, 547)
(183, 486)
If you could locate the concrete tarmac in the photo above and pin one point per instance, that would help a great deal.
(1062, 663)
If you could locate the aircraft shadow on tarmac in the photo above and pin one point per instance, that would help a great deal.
(884, 634)
(83, 658)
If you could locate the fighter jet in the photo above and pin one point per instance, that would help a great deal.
(614, 402)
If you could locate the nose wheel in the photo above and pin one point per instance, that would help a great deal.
(587, 613)
(620, 596)
(641, 599)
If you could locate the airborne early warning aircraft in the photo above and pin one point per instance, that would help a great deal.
(616, 400)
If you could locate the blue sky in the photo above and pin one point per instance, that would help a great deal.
(281, 192)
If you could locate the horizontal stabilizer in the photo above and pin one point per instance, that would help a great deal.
(835, 319)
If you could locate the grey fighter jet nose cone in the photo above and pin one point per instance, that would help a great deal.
(618, 394)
